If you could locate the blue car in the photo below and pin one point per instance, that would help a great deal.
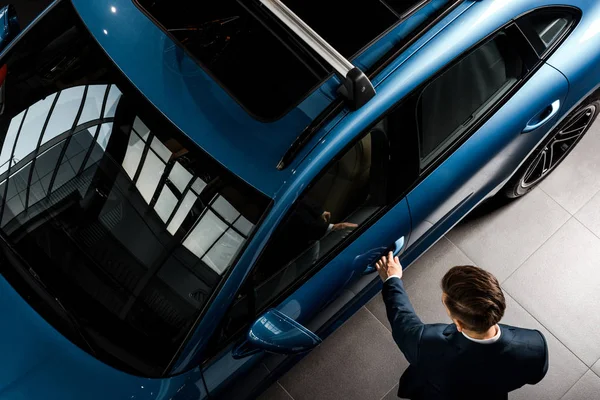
(192, 195)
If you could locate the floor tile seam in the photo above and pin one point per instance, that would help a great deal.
(585, 226)
(560, 205)
(378, 320)
(463, 252)
(388, 392)
(344, 323)
(285, 390)
(547, 328)
(587, 202)
(576, 382)
(537, 249)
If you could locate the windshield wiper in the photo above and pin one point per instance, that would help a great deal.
(76, 326)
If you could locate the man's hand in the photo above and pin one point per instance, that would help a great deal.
(326, 216)
(388, 266)
(343, 225)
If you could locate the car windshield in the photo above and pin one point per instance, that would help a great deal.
(255, 58)
(124, 219)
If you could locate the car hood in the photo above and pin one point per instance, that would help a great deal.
(37, 362)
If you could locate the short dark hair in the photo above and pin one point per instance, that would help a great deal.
(474, 297)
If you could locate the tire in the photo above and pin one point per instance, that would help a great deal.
(555, 148)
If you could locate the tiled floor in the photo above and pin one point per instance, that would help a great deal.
(544, 249)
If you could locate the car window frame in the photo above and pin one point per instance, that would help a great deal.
(536, 42)
(477, 114)
(247, 287)
(532, 62)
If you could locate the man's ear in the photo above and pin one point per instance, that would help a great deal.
(459, 325)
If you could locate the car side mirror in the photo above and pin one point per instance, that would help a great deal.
(9, 25)
(275, 332)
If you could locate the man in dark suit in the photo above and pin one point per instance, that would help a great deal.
(473, 358)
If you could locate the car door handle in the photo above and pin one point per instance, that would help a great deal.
(396, 248)
(543, 117)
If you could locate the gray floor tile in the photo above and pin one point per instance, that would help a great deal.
(275, 392)
(576, 180)
(596, 368)
(392, 394)
(564, 368)
(587, 388)
(358, 361)
(589, 215)
(559, 285)
(377, 308)
(502, 240)
(331, 310)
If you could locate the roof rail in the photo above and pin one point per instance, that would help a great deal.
(356, 87)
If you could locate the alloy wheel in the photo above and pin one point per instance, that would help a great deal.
(559, 146)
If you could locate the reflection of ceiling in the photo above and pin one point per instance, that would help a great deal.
(37, 140)
(56, 115)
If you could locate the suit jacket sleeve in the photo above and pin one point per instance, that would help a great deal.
(543, 365)
(407, 328)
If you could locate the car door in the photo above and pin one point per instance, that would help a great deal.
(301, 272)
(477, 120)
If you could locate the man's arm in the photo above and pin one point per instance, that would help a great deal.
(407, 328)
(544, 362)
(406, 325)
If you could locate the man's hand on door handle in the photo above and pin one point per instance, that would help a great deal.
(389, 266)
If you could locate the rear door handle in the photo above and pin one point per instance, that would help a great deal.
(396, 248)
(543, 117)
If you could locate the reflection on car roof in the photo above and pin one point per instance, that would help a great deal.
(256, 58)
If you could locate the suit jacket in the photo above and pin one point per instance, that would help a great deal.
(446, 365)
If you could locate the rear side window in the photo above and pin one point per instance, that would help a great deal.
(546, 27)
(461, 94)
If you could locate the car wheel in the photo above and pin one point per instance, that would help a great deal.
(553, 151)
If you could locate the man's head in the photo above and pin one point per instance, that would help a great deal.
(473, 298)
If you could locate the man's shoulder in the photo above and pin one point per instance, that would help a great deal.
(523, 337)
(438, 332)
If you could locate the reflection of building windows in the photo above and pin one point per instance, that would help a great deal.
(54, 116)
(172, 191)
(218, 234)
(52, 142)
(111, 253)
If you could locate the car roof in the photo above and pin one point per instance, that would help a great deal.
(250, 52)
(186, 94)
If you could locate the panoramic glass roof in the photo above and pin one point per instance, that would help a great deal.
(257, 59)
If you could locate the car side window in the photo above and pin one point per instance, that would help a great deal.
(447, 106)
(547, 26)
(352, 189)
(370, 175)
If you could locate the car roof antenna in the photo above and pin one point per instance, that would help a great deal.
(356, 88)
